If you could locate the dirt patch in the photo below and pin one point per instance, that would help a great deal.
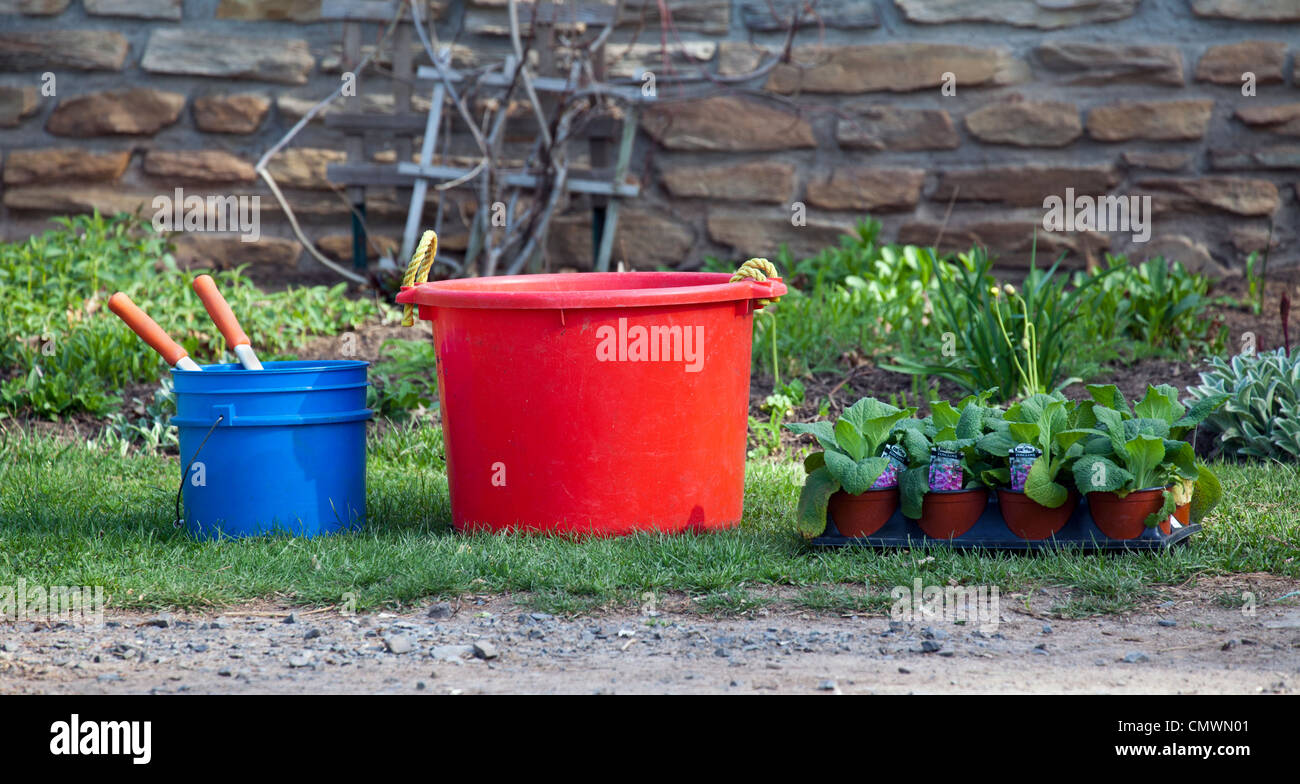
(1188, 642)
(365, 342)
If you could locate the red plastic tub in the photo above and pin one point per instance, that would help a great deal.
(594, 403)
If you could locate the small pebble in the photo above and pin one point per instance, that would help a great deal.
(1166, 622)
(827, 685)
(1136, 657)
(399, 644)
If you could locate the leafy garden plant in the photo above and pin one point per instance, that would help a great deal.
(951, 428)
(1155, 307)
(860, 296)
(1048, 422)
(1018, 342)
(1142, 447)
(850, 458)
(401, 382)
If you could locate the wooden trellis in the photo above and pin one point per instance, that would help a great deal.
(607, 184)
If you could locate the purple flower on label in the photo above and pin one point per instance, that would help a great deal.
(1019, 475)
(945, 472)
(1022, 459)
(888, 479)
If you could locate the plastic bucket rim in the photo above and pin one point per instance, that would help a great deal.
(273, 390)
(277, 367)
(495, 294)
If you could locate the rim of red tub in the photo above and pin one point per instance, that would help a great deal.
(588, 290)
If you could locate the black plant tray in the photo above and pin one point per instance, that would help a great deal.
(991, 533)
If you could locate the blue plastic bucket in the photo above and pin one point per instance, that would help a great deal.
(285, 449)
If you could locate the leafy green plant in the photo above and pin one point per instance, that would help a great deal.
(981, 319)
(954, 428)
(404, 380)
(850, 458)
(1048, 422)
(779, 406)
(1261, 416)
(1153, 307)
(867, 298)
(150, 429)
(61, 351)
(860, 296)
(1143, 448)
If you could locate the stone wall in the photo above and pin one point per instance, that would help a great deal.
(948, 120)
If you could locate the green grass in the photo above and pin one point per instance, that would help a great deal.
(74, 515)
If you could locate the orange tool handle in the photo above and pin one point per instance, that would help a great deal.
(146, 328)
(220, 311)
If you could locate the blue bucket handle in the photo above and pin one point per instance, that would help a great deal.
(186, 473)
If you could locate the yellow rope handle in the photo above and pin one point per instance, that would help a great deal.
(757, 270)
(417, 271)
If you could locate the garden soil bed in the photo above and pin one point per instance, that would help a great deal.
(1187, 643)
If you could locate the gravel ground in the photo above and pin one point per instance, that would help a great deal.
(492, 645)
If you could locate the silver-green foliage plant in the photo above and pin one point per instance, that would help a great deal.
(1261, 416)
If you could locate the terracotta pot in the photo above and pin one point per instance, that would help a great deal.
(947, 514)
(1029, 519)
(1183, 513)
(1124, 518)
(863, 514)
